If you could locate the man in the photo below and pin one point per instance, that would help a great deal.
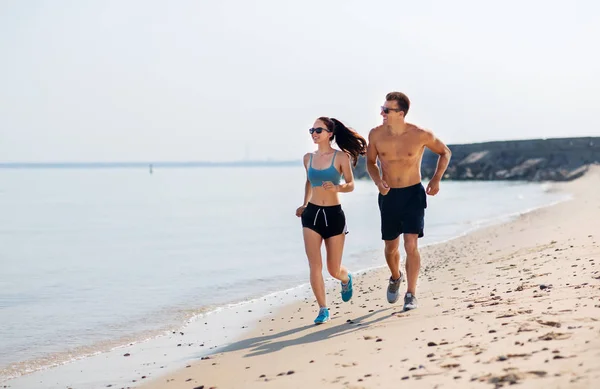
(402, 198)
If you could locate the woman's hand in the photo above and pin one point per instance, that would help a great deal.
(328, 185)
(300, 210)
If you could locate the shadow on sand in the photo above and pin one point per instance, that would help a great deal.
(261, 345)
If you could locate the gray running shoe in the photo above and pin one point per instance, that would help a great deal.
(410, 302)
(392, 290)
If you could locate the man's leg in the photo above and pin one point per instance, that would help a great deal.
(413, 265)
(413, 261)
(390, 234)
(392, 257)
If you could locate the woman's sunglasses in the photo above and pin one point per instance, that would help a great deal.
(318, 130)
(387, 110)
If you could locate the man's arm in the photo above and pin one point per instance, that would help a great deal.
(434, 144)
(372, 167)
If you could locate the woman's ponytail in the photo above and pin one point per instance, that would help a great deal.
(348, 140)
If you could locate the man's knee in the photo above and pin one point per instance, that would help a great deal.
(411, 245)
(391, 247)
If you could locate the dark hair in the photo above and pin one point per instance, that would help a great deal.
(401, 99)
(348, 140)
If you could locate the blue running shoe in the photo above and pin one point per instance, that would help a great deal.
(323, 316)
(347, 289)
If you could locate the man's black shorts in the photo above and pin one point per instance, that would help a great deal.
(403, 211)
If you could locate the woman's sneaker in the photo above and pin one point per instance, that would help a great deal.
(323, 316)
(347, 289)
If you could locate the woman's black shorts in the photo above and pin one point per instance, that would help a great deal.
(327, 221)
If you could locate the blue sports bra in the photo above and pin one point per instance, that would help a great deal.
(317, 176)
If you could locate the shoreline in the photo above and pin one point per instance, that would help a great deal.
(268, 356)
(66, 357)
(14, 372)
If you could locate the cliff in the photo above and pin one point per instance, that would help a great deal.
(558, 159)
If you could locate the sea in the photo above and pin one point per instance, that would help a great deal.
(112, 275)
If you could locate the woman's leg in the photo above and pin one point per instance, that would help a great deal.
(312, 245)
(335, 248)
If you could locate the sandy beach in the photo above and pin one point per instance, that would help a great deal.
(517, 303)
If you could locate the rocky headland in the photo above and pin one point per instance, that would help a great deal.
(557, 159)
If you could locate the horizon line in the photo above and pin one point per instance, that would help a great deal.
(146, 163)
(267, 161)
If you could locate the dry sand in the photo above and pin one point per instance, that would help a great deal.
(514, 303)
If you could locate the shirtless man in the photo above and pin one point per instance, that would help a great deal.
(402, 198)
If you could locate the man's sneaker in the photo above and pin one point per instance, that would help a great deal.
(347, 289)
(410, 302)
(323, 316)
(392, 290)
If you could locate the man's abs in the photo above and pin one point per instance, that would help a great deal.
(400, 156)
(400, 174)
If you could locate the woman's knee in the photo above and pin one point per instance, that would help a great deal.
(315, 266)
(334, 271)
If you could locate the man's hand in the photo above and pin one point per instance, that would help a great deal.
(300, 210)
(383, 187)
(328, 185)
(433, 187)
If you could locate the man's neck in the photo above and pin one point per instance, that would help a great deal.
(398, 127)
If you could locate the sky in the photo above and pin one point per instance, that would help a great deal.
(181, 80)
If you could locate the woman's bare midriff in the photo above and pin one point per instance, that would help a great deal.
(324, 197)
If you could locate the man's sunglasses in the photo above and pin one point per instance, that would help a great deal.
(318, 130)
(387, 110)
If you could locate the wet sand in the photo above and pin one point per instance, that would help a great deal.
(517, 303)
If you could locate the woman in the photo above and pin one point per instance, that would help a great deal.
(322, 216)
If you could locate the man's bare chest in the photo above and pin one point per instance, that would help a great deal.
(399, 148)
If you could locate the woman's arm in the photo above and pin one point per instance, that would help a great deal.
(307, 186)
(348, 186)
(307, 189)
